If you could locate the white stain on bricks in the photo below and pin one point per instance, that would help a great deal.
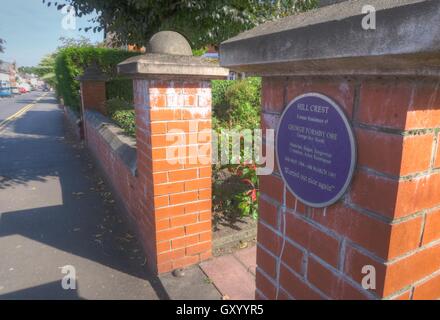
(175, 100)
(204, 100)
(199, 112)
(270, 121)
(344, 88)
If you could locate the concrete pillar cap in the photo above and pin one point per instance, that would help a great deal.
(169, 57)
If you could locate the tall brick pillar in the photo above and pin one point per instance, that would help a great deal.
(381, 240)
(172, 93)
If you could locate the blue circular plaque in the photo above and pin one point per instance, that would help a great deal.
(316, 150)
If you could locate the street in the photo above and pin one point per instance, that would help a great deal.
(11, 105)
(54, 212)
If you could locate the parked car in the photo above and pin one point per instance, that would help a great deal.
(5, 88)
(24, 87)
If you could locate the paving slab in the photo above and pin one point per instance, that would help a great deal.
(231, 277)
(248, 257)
(194, 285)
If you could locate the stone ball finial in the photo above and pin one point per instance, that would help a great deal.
(169, 42)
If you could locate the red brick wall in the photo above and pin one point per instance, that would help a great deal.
(389, 218)
(127, 187)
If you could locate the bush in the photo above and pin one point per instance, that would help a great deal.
(219, 88)
(237, 104)
(71, 62)
(122, 113)
(120, 88)
(126, 120)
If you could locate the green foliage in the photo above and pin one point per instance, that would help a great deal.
(237, 104)
(199, 52)
(117, 104)
(46, 69)
(247, 201)
(219, 88)
(67, 42)
(27, 70)
(71, 62)
(122, 113)
(126, 120)
(235, 191)
(120, 88)
(202, 22)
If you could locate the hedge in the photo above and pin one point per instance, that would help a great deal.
(71, 62)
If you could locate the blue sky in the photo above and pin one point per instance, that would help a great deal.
(32, 30)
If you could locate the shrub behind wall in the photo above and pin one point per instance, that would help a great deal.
(72, 61)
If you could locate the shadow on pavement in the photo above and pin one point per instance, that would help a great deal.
(48, 291)
(86, 222)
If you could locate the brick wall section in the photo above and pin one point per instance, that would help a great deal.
(93, 95)
(178, 192)
(126, 186)
(389, 217)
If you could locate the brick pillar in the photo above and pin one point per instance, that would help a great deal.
(173, 108)
(386, 227)
(388, 219)
(93, 94)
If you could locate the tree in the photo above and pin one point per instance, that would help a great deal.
(73, 42)
(27, 70)
(2, 47)
(203, 22)
(46, 69)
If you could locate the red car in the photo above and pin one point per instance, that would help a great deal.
(22, 90)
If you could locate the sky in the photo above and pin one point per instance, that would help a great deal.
(32, 30)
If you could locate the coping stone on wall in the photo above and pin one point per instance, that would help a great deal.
(331, 41)
(121, 144)
(164, 66)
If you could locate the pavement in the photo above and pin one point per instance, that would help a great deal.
(234, 274)
(56, 211)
